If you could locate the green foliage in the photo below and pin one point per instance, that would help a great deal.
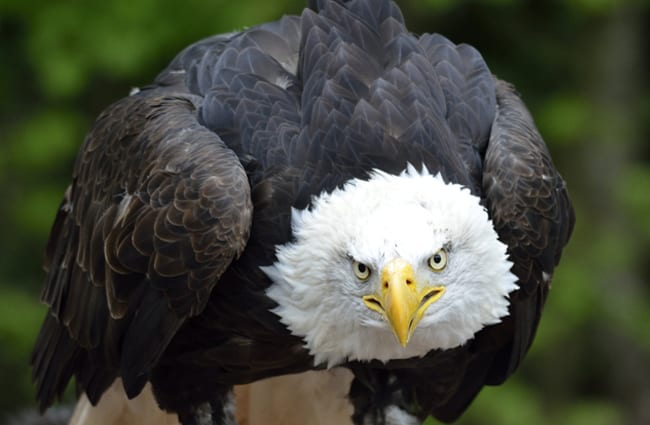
(579, 66)
(20, 319)
(634, 196)
(564, 116)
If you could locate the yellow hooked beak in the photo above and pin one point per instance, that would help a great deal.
(399, 299)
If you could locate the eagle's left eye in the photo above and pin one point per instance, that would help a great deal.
(438, 261)
(361, 271)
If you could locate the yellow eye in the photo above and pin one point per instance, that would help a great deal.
(361, 271)
(438, 261)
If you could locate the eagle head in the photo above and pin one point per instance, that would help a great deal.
(390, 267)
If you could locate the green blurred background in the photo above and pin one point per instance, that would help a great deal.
(581, 66)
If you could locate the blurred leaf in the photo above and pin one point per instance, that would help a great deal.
(34, 214)
(593, 412)
(20, 319)
(563, 118)
(635, 196)
(439, 5)
(55, 47)
(509, 404)
(44, 138)
(594, 6)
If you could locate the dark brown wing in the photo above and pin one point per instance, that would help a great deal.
(530, 207)
(531, 211)
(158, 209)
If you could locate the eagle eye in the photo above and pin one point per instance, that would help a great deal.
(438, 261)
(361, 271)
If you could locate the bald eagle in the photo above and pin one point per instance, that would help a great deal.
(324, 191)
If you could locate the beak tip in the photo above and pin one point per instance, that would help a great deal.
(403, 341)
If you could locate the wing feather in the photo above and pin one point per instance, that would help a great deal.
(158, 209)
(529, 205)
